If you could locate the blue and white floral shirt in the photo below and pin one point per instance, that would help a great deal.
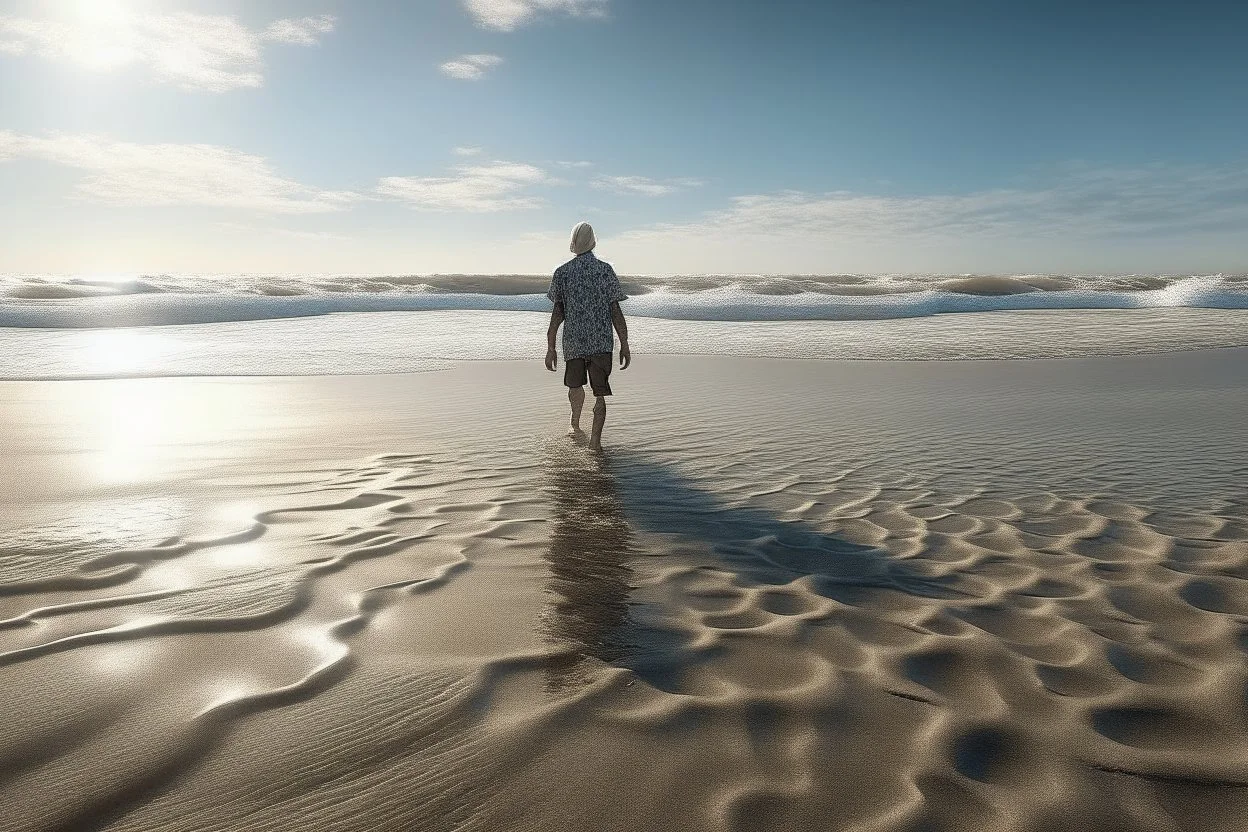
(586, 286)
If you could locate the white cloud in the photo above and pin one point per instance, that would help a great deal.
(128, 174)
(470, 67)
(212, 53)
(507, 15)
(10, 145)
(575, 164)
(1079, 209)
(641, 185)
(466, 151)
(296, 233)
(304, 31)
(489, 187)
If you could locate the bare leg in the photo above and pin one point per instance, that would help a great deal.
(600, 419)
(576, 398)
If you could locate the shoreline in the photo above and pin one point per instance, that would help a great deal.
(386, 343)
(452, 364)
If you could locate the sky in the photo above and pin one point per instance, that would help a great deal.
(469, 136)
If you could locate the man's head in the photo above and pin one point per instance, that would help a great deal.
(582, 238)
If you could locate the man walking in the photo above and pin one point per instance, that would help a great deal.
(587, 296)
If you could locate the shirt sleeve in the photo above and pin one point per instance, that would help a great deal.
(555, 292)
(614, 288)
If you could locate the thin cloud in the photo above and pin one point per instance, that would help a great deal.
(470, 67)
(305, 31)
(509, 15)
(128, 174)
(484, 188)
(10, 145)
(470, 150)
(296, 233)
(1077, 205)
(207, 53)
(580, 164)
(642, 185)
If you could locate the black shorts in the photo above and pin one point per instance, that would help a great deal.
(596, 367)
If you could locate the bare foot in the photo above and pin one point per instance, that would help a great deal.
(575, 430)
(595, 445)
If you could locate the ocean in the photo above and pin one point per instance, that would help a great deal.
(252, 324)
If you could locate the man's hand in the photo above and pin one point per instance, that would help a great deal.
(626, 357)
(552, 333)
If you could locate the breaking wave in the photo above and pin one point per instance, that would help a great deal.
(42, 301)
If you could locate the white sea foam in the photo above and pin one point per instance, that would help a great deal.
(28, 301)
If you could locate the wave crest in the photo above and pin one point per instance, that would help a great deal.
(46, 302)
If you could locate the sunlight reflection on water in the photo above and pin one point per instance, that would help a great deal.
(396, 342)
(114, 352)
(139, 430)
(133, 425)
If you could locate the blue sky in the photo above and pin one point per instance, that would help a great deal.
(470, 135)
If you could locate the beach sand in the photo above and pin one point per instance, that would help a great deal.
(792, 595)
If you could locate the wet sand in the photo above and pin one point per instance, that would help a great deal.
(997, 595)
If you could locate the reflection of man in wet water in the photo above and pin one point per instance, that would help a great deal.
(587, 296)
(590, 545)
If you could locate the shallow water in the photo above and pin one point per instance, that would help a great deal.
(400, 342)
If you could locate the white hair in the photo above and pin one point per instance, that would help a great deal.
(583, 239)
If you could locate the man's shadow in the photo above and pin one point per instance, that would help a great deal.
(601, 504)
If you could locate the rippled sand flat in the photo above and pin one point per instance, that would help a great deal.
(792, 595)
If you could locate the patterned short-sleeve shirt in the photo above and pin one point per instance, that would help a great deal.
(586, 286)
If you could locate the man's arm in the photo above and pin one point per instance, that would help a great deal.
(556, 318)
(621, 329)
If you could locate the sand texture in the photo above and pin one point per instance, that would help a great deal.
(792, 595)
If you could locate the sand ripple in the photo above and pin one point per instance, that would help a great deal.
(429, 641)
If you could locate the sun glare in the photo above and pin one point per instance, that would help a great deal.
(142, 430)
(113, 352)
(100, 11)
(103, 34)
(134, 428)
